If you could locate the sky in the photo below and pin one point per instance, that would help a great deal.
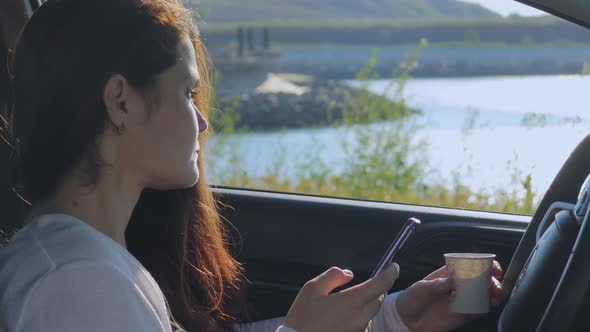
(507, 7)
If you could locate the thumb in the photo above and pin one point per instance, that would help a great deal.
(326, 282)
(427, 289)
(376, 286)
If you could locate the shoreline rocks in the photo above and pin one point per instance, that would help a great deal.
(321, 105)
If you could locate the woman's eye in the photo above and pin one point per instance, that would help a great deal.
(192, 93)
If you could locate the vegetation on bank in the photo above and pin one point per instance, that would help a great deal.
(238, 11)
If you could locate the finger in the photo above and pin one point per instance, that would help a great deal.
(374, 287)
(497, 270)
(426, 289)
(440, 273)
(496, 287)
(326, 282)
(496, 292)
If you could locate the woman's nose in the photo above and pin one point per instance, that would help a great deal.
(202, 122)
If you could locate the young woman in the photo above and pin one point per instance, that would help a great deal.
(107, 126)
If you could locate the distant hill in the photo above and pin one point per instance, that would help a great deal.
(244, 11)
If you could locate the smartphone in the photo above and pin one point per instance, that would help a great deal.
(397, 244)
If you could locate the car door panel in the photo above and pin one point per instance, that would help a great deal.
(286, 239)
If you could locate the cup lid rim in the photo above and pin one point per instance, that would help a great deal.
(467, 255)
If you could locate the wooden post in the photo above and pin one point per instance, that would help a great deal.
(250, 37)
(266, 38)
(240, 41)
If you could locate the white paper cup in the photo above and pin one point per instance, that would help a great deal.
(471, 274)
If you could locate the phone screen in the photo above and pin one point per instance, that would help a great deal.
(397, 244)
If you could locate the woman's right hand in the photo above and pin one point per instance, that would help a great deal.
(351, 309)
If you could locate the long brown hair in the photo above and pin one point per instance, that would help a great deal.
(67, 51)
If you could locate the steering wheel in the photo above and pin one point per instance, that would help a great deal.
(549, 273)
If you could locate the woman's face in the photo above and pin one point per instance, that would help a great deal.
(160, 144)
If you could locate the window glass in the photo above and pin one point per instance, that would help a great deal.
(441, 103)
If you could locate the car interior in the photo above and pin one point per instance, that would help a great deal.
(285, 239)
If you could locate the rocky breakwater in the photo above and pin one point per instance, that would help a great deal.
(279, 103)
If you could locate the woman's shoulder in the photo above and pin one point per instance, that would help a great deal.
(56, 239)
(53, 241)
(55, 251)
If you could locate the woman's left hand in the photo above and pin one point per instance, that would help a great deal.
(424, 306)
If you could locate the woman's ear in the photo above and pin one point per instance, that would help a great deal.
(115, 97)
